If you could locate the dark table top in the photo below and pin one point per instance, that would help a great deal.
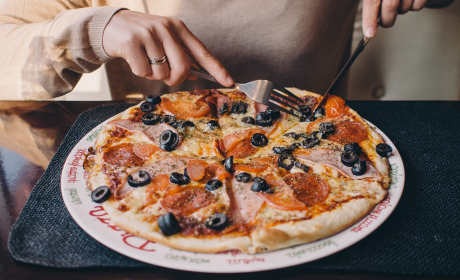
(30, 134)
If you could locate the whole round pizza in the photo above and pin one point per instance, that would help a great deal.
(210, 171)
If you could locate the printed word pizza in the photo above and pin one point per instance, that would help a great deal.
(209, 171)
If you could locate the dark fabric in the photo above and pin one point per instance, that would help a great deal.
(422, 236)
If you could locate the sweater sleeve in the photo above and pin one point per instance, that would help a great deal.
(46, 46)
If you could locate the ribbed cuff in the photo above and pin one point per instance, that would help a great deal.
(96, 30)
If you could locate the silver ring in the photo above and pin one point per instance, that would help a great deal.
(158, 61)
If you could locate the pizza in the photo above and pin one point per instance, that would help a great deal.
(211, 170)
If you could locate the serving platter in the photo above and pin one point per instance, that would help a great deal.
(93, 219)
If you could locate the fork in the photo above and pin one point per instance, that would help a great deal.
(262, 91)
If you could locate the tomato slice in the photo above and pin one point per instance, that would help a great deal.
(188, 201)
(283, 197)
(257, 165)
(184, 110)
(307, 188)
(335, 106)
(196, 169)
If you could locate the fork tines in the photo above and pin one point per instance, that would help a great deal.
(277, 97)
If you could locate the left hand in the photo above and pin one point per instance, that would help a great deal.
(386, 10)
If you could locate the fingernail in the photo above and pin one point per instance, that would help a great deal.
(370, 32)
(230, 80)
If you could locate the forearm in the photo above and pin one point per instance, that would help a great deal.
(46, 59)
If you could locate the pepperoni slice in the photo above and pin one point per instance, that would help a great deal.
(257, 165)
(188, 201)
(122, 155)
(242, 149)
(347, 131)
(215, 171)
(196, 169)
(159, 183)
(283, 197)
(307, 188)
(144, 150)
(184, 110)
(335, 106)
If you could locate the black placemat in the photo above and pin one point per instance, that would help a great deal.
(422, 236)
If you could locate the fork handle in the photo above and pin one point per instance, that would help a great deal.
(203, 74)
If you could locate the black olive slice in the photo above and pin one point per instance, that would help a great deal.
(318, 135)
(310, 142)
(384, 150)
(228, 164)
(353, 147)
(223, 109)
(359, 168)
(146, 107)
(248, 120)
(286, 161)
(302, 166)
(150, 119)
(239, 108)
(243, 177)
(178, 179)
(217, 221)
(168, 138)
(349, 158)
(140, 179)
(153, 99)
(291, 134)
(259, 186)
(319, 113)
(275, 114)
(213, 124)
(259, 140)
(294, 146)
(182, 124)
(258, 179)
(301, 135)
(167, 148)
(263, 119)
(281, 150)
(101, 194)
(305, 110)
(213, 184)
(168, 119)
(168, 224)
(326, 127)
(186, 173)
(305, 118)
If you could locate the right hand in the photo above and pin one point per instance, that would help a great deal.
(136, 37)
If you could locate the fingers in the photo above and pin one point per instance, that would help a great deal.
(388, 12)
(405, 6)
(178, 60)
(371, 9)
(154, 49)
(198, 51)
(418, 5)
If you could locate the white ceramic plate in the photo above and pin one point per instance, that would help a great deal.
(92, 218)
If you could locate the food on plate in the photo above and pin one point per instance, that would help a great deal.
(211, 170)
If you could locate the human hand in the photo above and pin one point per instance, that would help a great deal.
(387, 11)
(136, 37)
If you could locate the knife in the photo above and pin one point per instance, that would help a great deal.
(362, 44)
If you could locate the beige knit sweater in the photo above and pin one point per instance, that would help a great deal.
(46, 45)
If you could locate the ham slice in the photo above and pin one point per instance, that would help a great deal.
(151, 131)
(247, 202)
(331, 158)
